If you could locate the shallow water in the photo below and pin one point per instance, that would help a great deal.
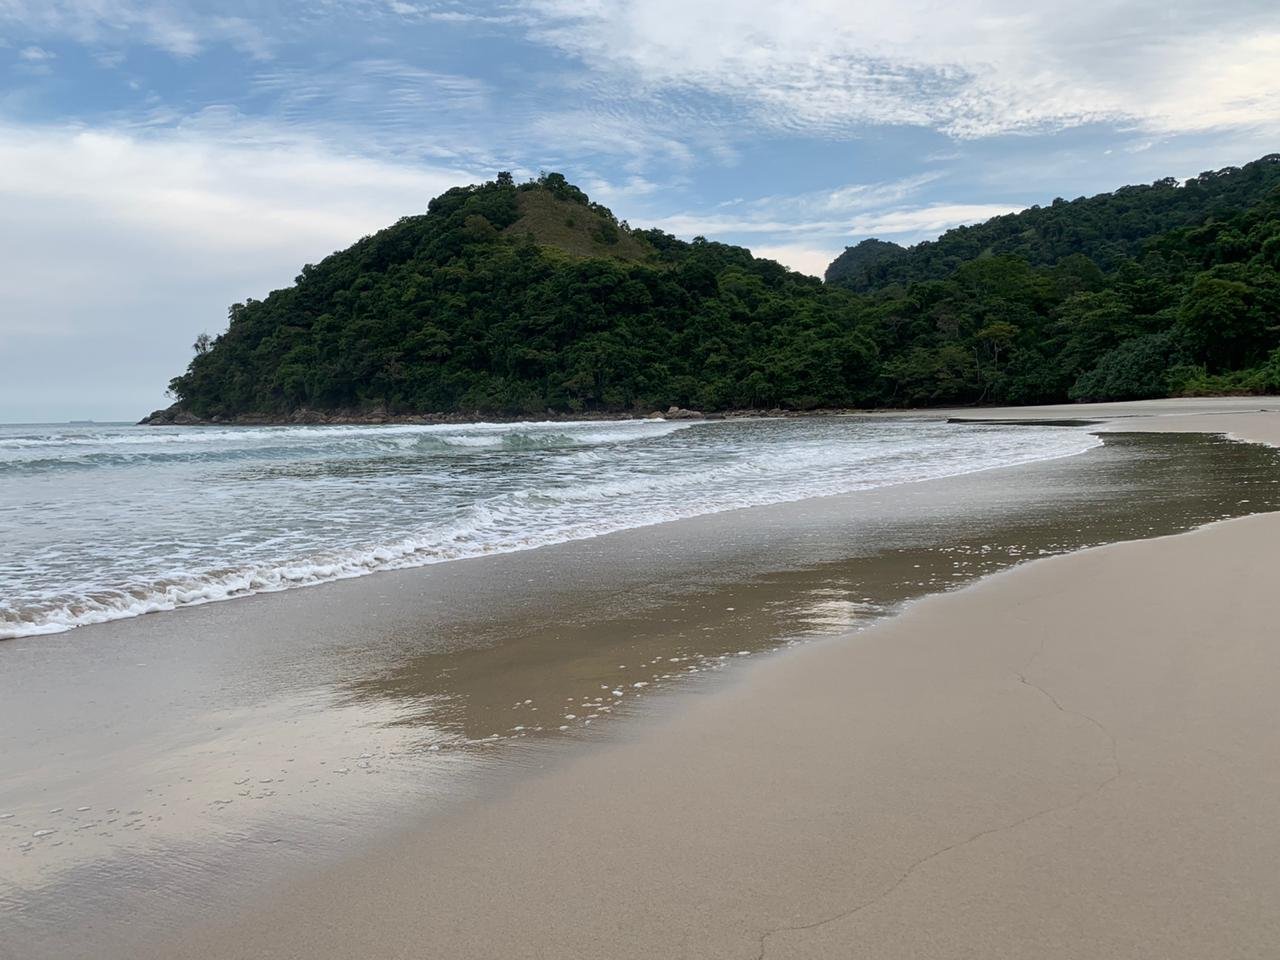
(105, 523)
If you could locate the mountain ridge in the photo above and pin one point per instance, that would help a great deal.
(1043, 235)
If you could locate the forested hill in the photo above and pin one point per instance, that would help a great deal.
(518, 300)
(1107, 228)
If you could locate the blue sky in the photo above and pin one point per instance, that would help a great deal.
(161, 160)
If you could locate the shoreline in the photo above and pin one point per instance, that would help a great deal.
(695, 606)
(1007, 415)
(1034, 790)
(144, 606)
(1096, 415)
(308, 417)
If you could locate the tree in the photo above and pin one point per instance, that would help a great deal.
(1222, 328)
(1136, 370)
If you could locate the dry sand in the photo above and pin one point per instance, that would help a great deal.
(1079, 758)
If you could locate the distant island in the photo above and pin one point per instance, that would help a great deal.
(528, 299)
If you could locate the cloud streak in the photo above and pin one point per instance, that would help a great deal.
(823, 240)
(806, 231)
(971, 68)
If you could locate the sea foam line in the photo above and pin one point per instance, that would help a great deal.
(441, 547)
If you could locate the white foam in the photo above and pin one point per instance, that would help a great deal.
(336, 511)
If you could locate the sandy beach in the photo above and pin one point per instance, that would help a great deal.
(1075, 758)
(1070, 757)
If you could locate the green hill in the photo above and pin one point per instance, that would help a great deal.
(1108, 228)
(516, 300)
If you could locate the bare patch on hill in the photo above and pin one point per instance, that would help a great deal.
(574, 228)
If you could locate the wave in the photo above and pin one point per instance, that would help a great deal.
(573, 505)
(25, 454)
(158, 436)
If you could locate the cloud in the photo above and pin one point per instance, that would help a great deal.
(866, 210)
(35, 61)
(842, 212)
(384, 103)
(643, 141)
(969, 68)
(117, 247)
(917, 223)
(173, 28)
(799, 257)
(908, 224)
(243, 35)
(806, 231)
(617, 193)
(198, 193)
(828, 209)
(442, 14)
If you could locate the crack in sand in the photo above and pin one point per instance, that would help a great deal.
(918, 864)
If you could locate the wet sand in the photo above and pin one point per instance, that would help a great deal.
(1073, 760)
(830, 779)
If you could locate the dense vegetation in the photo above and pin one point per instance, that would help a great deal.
(853, 268)
(517, 299)
(1108, 229)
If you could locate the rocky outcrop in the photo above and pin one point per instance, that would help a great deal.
(173, 416)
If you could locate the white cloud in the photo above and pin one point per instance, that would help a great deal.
(970, 68)
(906, 224)
(116, 248)
(923, 222)
(439, 14)
(199, 193)
(799, 257)
(35, 54)
(836, 214)
(807, 231)
(618, 194)
(829, 210)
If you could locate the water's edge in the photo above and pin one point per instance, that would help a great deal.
(397, 491)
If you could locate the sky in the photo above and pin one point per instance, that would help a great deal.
(160, 160)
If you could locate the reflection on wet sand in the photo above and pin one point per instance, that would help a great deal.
(542, 672)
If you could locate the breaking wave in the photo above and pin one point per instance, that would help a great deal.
(109, 523)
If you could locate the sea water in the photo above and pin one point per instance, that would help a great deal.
(101, 523)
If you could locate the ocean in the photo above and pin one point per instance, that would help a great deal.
(108, 522)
